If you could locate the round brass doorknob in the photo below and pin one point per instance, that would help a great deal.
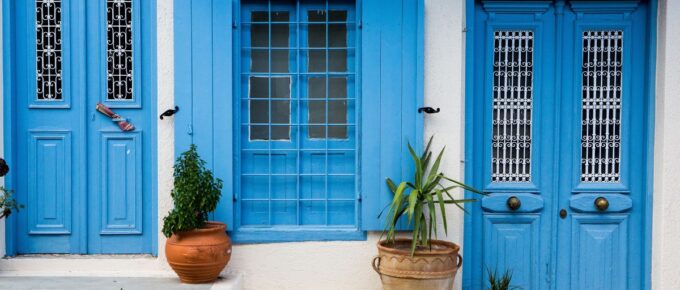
(601, 203)
(514, 203)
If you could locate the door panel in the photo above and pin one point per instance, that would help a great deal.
(513, 243)
(598, 247)
(86, 184)
(516, 44)
(575, 117)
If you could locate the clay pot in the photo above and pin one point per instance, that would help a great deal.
(198, 256)
(427, 269)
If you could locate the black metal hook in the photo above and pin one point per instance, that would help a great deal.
(169, 112)
(428, 110)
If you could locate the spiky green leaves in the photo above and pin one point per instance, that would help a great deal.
(422, 198)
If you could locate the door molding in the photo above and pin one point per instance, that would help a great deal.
(147, 63)
(473, 108)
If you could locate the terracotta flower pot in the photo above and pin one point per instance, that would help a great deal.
(427, 269)
(199, 256)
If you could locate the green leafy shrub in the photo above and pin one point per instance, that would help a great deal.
(419, 199)
(7, 202)
(195, 194)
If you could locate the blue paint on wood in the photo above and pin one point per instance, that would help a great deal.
(206, 66)
(602, 252)
(585, 202)
(88, 188)
(498, 202)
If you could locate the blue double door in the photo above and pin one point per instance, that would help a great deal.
(561, 89)
(85, 183)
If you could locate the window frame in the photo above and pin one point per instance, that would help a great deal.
(288, 233)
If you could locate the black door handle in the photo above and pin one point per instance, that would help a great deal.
(428, 110)
(169, 112)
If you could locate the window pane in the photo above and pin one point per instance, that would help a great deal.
(337, 117)
(48, 48)
(512, 106)
(259, 60)
(119, 49)
(260, 109)
(259, 35)
(280, 35)
(602, 67)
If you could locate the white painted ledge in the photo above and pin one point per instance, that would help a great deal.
(103, 266)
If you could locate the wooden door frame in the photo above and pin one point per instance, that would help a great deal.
(472, 151)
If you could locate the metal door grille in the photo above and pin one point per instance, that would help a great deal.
(49, 50)
(512, 106)
(298, 141)
(119, 49)
(601, 106)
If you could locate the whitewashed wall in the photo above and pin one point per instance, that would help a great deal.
(666, 228)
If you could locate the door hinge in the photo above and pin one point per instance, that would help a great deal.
(190, 129)
(548, 274)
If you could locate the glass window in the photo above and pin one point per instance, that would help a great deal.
(298, 113)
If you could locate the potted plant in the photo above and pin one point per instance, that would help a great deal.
(420, 262)
(7, 201)
(196, 249)
(500, 282)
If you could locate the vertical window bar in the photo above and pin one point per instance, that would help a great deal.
(327, 113)
(269, 106)
(48, 50)
(298, 119)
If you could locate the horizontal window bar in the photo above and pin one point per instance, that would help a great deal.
(297, 125)
(297, 22)
(296, 48)
(298, 174)
(302, 199)
(320, 74)
(295, 150)
(302, 99)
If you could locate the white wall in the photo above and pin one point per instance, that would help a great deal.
(666, 229)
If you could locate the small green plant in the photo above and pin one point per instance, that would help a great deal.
(7, 202)
(418, 199)
(500, 282)
(195, 194)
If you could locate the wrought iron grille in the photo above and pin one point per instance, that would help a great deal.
(119, 55)
(49, 50)
(512, 106)
(601, 106)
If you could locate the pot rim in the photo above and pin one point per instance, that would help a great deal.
(210, 226)
(450, 248)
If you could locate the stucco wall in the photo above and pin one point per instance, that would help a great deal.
(666, 229)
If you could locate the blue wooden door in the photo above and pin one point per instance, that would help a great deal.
(562, 96)
(86, 183)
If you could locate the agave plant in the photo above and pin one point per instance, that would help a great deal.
(419, 199)
(500, 282)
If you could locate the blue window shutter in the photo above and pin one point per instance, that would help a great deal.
(392, 91)
(203, 89)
